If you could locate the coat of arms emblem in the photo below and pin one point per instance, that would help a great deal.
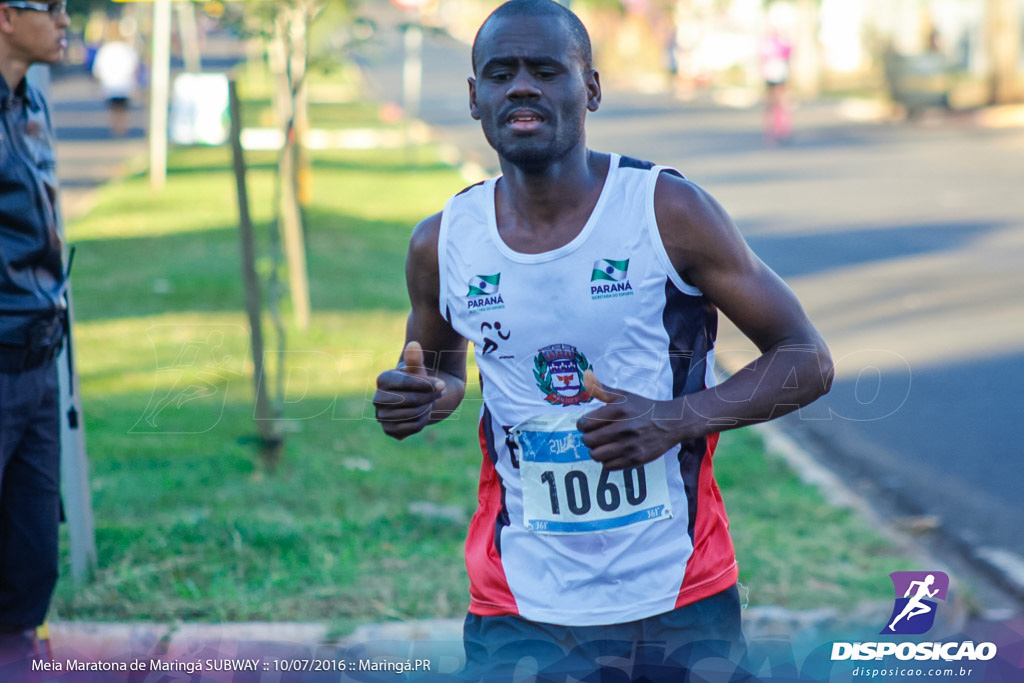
(558, 370)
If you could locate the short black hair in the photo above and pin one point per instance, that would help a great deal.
(543, 8)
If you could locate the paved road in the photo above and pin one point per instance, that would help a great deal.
(906, 244)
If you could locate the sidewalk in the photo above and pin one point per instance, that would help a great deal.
(436, 640)
(432, 649)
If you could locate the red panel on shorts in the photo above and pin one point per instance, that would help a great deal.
(712, 567)
(489, 593)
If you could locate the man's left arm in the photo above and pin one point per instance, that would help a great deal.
(794, 367)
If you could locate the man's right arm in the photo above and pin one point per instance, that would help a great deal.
(430, 380)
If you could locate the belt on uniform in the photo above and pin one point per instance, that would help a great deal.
(23, 358)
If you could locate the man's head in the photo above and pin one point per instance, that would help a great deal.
(550, 11)
(533, 83)
(31, 33)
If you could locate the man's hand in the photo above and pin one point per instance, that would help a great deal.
(406, 395)
(625, 432)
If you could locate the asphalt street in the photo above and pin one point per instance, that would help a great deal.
(905, 242)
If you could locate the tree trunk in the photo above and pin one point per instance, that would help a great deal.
(271, 442)
(289, 211)
(300, 107)
(806, 52)
(1003, 29)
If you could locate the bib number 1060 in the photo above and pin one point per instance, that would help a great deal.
(577, 493)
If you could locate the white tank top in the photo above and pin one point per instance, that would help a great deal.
(556, 539)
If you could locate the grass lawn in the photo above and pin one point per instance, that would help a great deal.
(352, 527)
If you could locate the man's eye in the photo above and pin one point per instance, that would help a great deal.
(546, 74)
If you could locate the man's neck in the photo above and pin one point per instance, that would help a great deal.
(13, 70)
(542, 211)
(558, 188)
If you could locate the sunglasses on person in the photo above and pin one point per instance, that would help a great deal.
(52, 8)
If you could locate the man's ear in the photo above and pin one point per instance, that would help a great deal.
(472, 98)
(5, 21)
(594, 90)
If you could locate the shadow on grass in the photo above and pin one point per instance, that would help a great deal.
(201, 270)
(377, 162)
(348, 165)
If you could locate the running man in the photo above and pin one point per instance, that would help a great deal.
(599, 525)
(915, 606)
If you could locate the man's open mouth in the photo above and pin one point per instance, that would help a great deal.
(524, 119)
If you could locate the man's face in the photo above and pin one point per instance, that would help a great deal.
(35, 31)
(531, 93)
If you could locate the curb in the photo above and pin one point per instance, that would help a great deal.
(118, 641)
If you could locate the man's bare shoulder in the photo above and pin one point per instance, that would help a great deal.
(423, 242)
(427, 229)
(427, 232)
(681, 200)
(696, 231)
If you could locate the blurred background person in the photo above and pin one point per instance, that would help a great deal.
(116, 67)
(774, 55)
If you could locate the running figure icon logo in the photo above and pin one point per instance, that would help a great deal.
(914, 612)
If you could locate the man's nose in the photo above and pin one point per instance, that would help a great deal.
(523, 84)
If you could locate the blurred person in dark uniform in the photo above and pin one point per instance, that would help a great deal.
(32, 322)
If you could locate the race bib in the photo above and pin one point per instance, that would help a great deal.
(565, 491)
